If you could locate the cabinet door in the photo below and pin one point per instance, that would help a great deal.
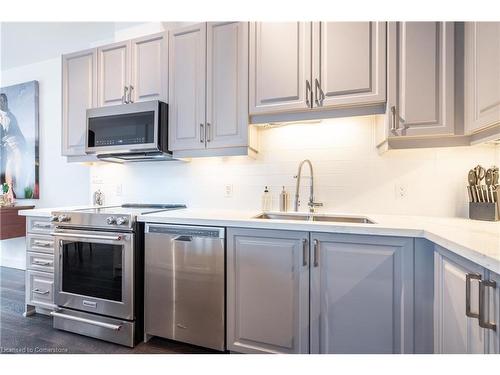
(421, 79)
(227, 84)
(492, 305)
(267, 291)
(114, 72)
(79, 92)
(349, 63)
(280, 66)
(187, 62)
(149, 77)
(361, 294)
(454, 331)
(482, 75)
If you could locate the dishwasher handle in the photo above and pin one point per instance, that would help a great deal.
(185, 232)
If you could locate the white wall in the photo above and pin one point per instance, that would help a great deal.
(350, 176)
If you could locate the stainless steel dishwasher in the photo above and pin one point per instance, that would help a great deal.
(184, 284)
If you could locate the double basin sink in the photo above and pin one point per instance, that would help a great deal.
(316, 217)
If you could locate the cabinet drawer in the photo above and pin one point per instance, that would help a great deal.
(40, 262)
(40, 289)
(40, 225)
(40, 244)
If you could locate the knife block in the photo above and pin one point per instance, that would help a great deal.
(486, 211)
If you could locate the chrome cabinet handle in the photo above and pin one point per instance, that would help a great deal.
(39, 263)
(42, 292)
(207, 132)
(305, 254)
(394, 120)
(316, 253)
(130, 100)
(468, 278)
(318, 98)
(202, 131)
(483, 322)
(124, 97)
(42, 243)
(308, 91)
(42, 225)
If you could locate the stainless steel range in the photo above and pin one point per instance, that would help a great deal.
(99, 271)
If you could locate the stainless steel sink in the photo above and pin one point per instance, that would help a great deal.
(316, 217)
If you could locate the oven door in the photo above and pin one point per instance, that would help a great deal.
(94, 272)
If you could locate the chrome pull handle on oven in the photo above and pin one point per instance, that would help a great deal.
(124, 97)
(468, 278)
(114, 327)
(202, 131)
(316, 253)
(88, 236)
(305, 254)
(483, 320)
(42, 292)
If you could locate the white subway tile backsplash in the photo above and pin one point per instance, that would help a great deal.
(350, 175)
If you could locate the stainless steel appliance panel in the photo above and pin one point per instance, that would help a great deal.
(90, 258)
(184, 284)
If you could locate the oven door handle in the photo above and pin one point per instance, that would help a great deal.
(88, 237)
(114, 327)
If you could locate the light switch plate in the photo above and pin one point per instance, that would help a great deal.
(228, 191)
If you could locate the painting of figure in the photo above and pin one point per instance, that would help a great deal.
(19, 161)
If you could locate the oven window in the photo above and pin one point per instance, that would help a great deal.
(93, 270)
(125, 129)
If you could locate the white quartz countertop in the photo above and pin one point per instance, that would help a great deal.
(478, 241)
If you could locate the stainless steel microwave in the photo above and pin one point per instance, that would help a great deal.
(129, 132)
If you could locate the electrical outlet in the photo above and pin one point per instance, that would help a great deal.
(401, 191)
(228, 191)
(119, 190)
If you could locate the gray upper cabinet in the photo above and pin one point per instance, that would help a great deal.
(79, 92)
(267, 291)
(208, 97)
(280, 66)
(227, 84)
(482, 75)
(114, 73)
(149, 74)
(421, 87)
(457, 331)
(349, 63)
(361, 294)
(187, 78)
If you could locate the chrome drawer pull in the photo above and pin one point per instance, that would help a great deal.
(40, 263)
(468, 278)
(42, 225)
(483, 284)
(43, 243)
(114, 327)
(42, 292)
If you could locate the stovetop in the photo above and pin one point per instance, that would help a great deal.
(112, 217)
(132, 209)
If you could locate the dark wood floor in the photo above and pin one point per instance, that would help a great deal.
(36, 335)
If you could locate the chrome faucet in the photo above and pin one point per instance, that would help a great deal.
(312, 204)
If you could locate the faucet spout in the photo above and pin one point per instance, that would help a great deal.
(311, 202)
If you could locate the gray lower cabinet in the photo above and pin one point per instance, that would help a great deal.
(361, 294)
(457, 284)
(358, 289)
(39, 266)
(267, 291)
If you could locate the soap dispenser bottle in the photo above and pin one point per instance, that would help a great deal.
(284, 200)
(266, 200)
